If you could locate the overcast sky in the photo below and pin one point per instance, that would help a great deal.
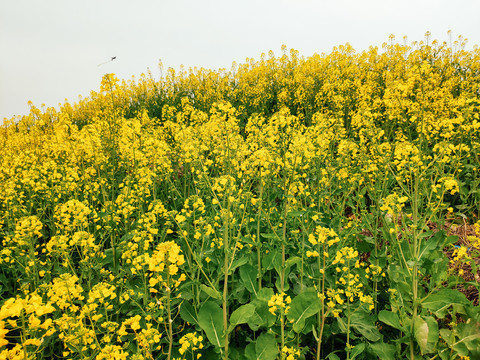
(50, 49)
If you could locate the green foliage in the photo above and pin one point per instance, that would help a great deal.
(210, 319)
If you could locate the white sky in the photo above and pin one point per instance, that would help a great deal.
(50, 49)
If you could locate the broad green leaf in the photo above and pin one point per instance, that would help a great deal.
(432, 334)
(461, 349)
(261, 317)
(333, 356)
(446, 335)
(366, 246)
(428, 233)
(439, 302)
(257, 320)
(295, 213)
(469, 334)
(420, 331)
(364, 322)
(383, 351)
(357, 350)
(187, 313)
(272, 260)
(278, 284)
(213, 293)
(295, 260)
(250, 353)
(429, 245)
(237, 263)
(233, 353)
(310, 323)
(241, 316)
(391, 319)
(451, 239)
(266, 347)
(302, 307)
(210, 319)
(341, 324)
(248, 276)
(265, 294)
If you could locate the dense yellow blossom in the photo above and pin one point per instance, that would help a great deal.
(279, 301)
(123, 214)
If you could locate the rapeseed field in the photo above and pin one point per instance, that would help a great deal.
(321, 207)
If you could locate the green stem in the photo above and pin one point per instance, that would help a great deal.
(416, 260)
(321, 314)
(349, 348)
(225, 281)
(282, 273)
(259, 250)
(170, 329)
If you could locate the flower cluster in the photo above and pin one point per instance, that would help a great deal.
(164, 266)
(279, 301)
(72, 215)
(393, 204)
(65, 291)
(191, 342)
(290, 353)
(29, 316)
(349, 284)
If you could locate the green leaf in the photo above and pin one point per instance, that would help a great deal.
(439, 302)
(429, 245)
(256, 320)
(187, 313)
(420, 331)
(248, 276)
(391, 319)
(210, 319)
(341, 325)
(272, 260)
(469, 334)
(357, 350)
(261, 317)
(302, 307)
(461, 349)
(250, 353)
(295, 260)
(278, 284)
(265, 294)
(237, 263)
(295, 213)
(451, 239)
(432, 334)
(383, 351)
(366, 246)
(333, 356)
(241, 316)
(269, 236)
(266, 347)
(314, 331)
(446, 335)
(364, 322)
(213, 293)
